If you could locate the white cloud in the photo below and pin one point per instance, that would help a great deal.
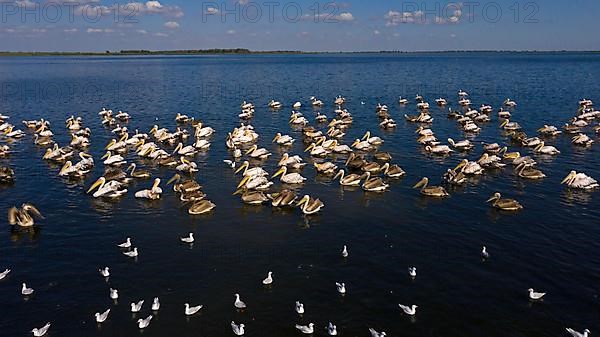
(98, 30)
(171, 25)
(376, 32)
(328, 18)
(129, 10)
(161, 34)
(72, 30)
(346, 16)
(231, 32)
(142, 31)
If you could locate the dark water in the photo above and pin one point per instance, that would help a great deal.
(552, 245)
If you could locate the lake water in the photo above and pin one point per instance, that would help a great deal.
(552, 245)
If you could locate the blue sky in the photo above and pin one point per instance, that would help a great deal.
(98, 25)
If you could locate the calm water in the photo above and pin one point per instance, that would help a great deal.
(552, 245)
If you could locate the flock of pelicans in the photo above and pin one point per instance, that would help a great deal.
(364, 166)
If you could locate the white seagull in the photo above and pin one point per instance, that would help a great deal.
(239, 303)
(188, 239)
(131, 253)
(41, 331)
(341, 288)
(155, 304)
(191, 310)
(136, 307)
(238, 330)
(484, 253)
(299, 307)
(269, 279)
(114, 294)
(4, 273)
(534, 295)
(125, 244)
(331, 329)
(101, 317)
(345, 251)
(409, 310)
(574, 333)
(143, 323)
(412, 271)
(306, 329)
(26, 291)
(375, 333)
(104, 272)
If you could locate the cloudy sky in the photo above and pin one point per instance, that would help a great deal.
(352, 25)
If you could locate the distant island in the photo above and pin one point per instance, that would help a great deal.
(243, 51)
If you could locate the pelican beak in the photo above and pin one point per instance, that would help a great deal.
(106, 155)
(112, 142)
(124, 137)
(419, 184)
(356, 142)
(250, 150)
(238, 191)
(491, 199)
(281, 170)
(310, 147)
(276, 137)
(96, 184)
(243, 182)
(243, 166)
(567, 178)
(303, 201)
(176, 177)
(461, 164)
(367, 135)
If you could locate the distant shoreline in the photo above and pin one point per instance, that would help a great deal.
(240, 51)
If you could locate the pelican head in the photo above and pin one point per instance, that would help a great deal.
(367, 135)
(494, 197)
(107, 155)
(65, 167)
(175, 178)
(504, 123)
(462, 164)
(569, 178)
(422, 183)
(356, 142)
(277, 136)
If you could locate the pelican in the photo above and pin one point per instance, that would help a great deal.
(22, 217)
(112, 189)
(257, 153)
(202, 144)
(463, 145)
(291, 178)
(101, 317)
(69, 169)
(504, 204)
(526, 171)
(375, 184)
(58, 154)
(453, 177)
(252, 197)
(275, 105)
(135, 173)
(153, 193)
(316, 102)
(283, 198)
(7, 175)
(439, 149)
(201, 207)
(510, 126)
(180, 118)
(292, 161)
(546, 149)
(392, 171)
(549, 130)
(469, 167)
(283, 139)
(186, 166)
(185, 151)
(255, 183)
(252, 172)
(115, 145)
(362, 145)
(113, 160)
(9, 133)
(490, 162)
(431, 191)
(509, 103)
(348, 180)
(582, 139)
(326, 168)
(309, 205)
(144, 323)
(580, 181)
(372, 140)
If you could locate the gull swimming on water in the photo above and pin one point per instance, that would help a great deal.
(269, 279)
(484, 253)
(125, 244)
(574, 333)
(306, 329)
(345, 251)
(4, 273)
(132, 253)
(375, 333)
(299, 307)
(191, 310)
(155, 304)
(341, 288)
(114, 294)
(143, 323)
(188, 239)
(409, 310)
(41, 331)
(104, 272)
(136, 307)
(534, 295)
(239, 303)
(101, 317)
(331, 329)
(238, 330)
(412, 271)
(26, 291)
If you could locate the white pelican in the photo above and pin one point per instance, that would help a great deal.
(186, 166)
(309, 205)
(238, 303)
(255, 152)
(316, 102)
(9, 133)
(317, 150)
(202, 132)
(251, 172)
(291, 178)
(21, 216)
(362, 145)
(255, 183)
(292, 161)
(153, 193)
(469, 167)
(269, 279)
(113, 160)
(112, 189)
(348, 180)
(574, 333)
(275, 104)
(438, 149)
(283, 139)
(376, 334)
(462, 145)
(185, 151)
(546, 149)
(372, 140)
(580, 181)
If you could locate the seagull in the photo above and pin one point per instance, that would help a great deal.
(231, 164)
(269, 279)
(131, 253)
(238, 303)
(341, 288)
(484, 253)
(41, 331)
(101, 317)
(155, 304)
(136, 307)
(125, 244)
(114, 294)
(26, 291)
(331, 329)
(306, 329)
(574, 333)
(192, 310)
(4, 273)
(143, 323)
(188, 239)
(104, 272)
(345, 251)
(535, 296)
(411, 311)
(238, 330)
(412, 271)
(299, 307)
(375, 333)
